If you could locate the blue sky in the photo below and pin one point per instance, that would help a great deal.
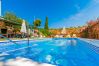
(61, 13)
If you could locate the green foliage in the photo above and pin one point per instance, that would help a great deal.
(19, 20)
(46, 24)
(37, 23)
(12, 17)
(31, 26)
(44, 32)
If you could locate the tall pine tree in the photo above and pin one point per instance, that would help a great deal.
(46, 24)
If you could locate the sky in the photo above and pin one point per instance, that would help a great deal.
(0, 8)
(61, 13)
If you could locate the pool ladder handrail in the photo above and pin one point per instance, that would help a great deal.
(7, 39)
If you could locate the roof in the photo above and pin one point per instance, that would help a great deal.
(9, 21)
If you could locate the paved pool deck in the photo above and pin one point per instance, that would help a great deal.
(24, 39)
(94, 42)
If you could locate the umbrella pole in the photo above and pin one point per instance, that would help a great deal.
(28, 40)
(28, 36)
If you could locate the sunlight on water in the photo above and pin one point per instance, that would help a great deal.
(4, 54)
(60, 43)
(23, 62)
(73, 42)
(58, 52)
(48, 58)
(65, 43)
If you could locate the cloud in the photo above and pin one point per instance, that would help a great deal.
(72, 21)
(90, 12)
(76, 16)
(96, 1)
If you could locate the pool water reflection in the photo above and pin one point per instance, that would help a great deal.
(59, 52)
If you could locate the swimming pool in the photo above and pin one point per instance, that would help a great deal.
(59, 52)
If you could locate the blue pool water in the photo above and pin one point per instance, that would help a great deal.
(59, 52)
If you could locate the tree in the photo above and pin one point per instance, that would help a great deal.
(19, 20)
(46, 24)
(12, 17)
(37, 23)
(45, 33)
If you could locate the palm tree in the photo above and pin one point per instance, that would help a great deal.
(37, 23)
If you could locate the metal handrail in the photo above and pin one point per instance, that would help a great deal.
(7, 39)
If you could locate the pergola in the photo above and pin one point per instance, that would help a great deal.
(7, 27)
